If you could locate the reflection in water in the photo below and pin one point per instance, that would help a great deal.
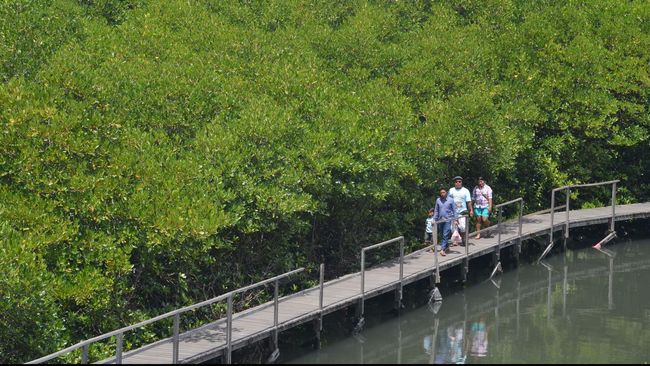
(479, 338)
(559, 311)
(452, 347)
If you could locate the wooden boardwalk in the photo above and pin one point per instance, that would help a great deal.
(209, 341)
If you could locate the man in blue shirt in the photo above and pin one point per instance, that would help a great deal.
(445, 209)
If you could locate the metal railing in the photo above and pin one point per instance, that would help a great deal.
(399, 239)
(567, 193)
(119, 333)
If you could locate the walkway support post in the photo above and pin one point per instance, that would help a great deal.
(320, 299)
(84, 354)
(613, 206)
(175, 339)
(466, 261)
(435, 252)
(550, 240)
(500, 222)
(276, 310)
(118, 350)
(566, 225)
(401, 273)
(229, 330)
(275, 304)
(363, 287)
(520, 220)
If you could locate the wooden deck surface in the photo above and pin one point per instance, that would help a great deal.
(209, 341)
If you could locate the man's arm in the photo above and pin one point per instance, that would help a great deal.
(489, 201)
(469, 206)
(436, 212)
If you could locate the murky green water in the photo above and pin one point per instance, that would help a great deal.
(581, 306)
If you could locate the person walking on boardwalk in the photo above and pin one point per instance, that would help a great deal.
(463, 202)
(444, 209)
(482, 197)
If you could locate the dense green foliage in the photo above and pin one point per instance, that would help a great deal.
(158, 152)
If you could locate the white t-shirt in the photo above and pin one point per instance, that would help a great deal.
(460, 197)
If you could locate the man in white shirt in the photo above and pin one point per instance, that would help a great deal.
(463, 201)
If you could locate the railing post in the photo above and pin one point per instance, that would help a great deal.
(499, 221)
(321, 282)
(363, 274)
(320, 299)
(466, 264)
(521, 215)
(401, 268)
(175, 344)
(84, 354)
(276, 312)
(550, 244)
(613, 206)
(229, 330)
(275, 304)
(435, 251)
(566, 227)
(118, 350)
(466, 234)
(552, 211)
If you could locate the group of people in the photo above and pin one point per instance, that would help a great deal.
(458, 201)
(453, 345)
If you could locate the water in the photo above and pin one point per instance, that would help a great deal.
(579, 306)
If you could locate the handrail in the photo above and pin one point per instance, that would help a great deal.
(382, 243)
(264, 282)
(588, 185)
(509, 202)
(179, 311)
